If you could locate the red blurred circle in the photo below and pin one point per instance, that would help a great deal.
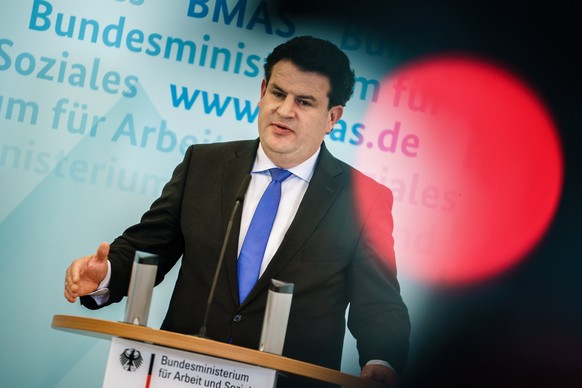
(474, 162)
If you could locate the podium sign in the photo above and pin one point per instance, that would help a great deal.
(140, 356)
(139, 364)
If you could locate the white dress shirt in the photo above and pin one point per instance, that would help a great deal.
(292, 191)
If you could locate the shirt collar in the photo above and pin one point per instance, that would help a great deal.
(304, 170)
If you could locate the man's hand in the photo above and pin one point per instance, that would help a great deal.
(85, 274)
(379, 373)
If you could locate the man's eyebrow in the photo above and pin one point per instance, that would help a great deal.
(301, 97)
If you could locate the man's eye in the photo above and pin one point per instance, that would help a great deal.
(277, 94)
(304, 103)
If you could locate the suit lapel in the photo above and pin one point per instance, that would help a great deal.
(235, 170)
(321, 193)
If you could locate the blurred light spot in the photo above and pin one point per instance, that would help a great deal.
(474, 162)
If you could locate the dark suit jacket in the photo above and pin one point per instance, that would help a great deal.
(337, 251)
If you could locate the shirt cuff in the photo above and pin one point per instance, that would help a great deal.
(379, 362)
(101, 294)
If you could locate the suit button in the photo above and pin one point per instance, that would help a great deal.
(237, 318)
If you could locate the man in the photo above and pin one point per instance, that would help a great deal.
(332, 235)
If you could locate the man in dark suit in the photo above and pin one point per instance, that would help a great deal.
(332, 235)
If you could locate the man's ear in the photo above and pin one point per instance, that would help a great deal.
(263, 87)
(335, 113)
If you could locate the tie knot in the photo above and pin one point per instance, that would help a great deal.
(279, 175)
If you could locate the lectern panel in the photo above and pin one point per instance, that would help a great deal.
(138, 364)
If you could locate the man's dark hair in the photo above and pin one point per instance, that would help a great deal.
(320, 56)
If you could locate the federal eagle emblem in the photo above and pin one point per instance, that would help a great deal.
(130, 359)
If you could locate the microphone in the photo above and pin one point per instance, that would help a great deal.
(237, 204)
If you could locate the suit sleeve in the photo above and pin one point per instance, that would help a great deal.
(158, 232)
(378, 317)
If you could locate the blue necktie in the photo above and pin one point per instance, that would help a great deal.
(253, 248)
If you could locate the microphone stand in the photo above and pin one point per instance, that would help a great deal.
(237, 204)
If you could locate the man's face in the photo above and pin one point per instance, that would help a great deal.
(294, 115)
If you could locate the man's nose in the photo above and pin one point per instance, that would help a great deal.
(286, 107)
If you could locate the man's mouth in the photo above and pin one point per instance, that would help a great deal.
(281, 126)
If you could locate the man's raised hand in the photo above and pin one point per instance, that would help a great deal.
(84, 274)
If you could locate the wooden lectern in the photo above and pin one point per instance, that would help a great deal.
(123, 334)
